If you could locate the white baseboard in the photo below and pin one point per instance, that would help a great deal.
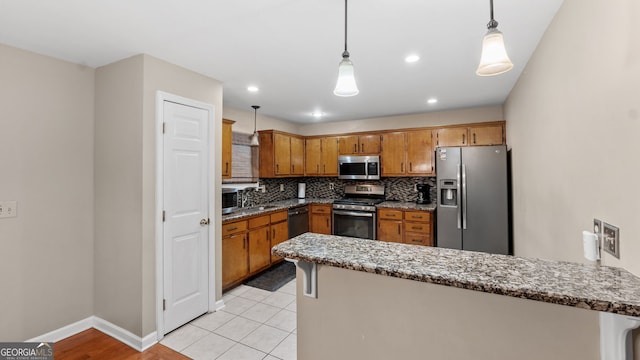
(219, 305)
(116, 332)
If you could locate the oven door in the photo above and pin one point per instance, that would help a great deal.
(360, 224)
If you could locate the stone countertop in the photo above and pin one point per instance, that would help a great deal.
(586, 286)
(406, 205)
(241, 213)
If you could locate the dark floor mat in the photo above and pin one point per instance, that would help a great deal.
(274, 278)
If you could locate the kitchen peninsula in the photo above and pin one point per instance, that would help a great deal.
(371, 293)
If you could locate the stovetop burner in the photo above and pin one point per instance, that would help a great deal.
(358, 201)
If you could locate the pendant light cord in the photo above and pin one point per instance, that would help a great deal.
(345, 25)
(492, 23)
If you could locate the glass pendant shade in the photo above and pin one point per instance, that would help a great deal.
(494, 59)
(254, 139)
(346, 85)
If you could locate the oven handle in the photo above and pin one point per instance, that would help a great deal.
(353, 213)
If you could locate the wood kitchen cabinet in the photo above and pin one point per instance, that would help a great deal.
(320, 218)
(360, 145)
(405, 226)
(420, 153)
(227, 137)
(393, 155)
(235, 253)
(455, 136)
(390, 225)
(281, 154)
(321, 156)
(259, 243)
(486, 135)
(279, 231)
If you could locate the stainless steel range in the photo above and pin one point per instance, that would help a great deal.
(355, 214)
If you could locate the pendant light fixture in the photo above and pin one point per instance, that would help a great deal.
(346, 85)
(494, 59)
(254, 137)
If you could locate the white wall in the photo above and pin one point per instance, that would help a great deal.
(244, 121)
(573, 121)
(46, 164)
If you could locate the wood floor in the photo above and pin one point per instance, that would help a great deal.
(94, 345)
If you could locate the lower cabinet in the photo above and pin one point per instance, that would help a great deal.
(320, 218)
(246, 246)
(405, 226)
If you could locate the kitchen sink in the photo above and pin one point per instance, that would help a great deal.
(265, 207)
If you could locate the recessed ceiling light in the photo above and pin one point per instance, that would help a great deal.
(432, 101)
(412, 58)
(317, 114)
(252, 88)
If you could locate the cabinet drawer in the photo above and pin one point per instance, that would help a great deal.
(390, 214)
(234, 227)
(321, 209)
(417, 239)
(279, 216)
(422, 228)
(423, 216)
(258, 221)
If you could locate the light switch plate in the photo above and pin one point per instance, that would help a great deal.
(611, 239)
(597, 228)
(8, 209)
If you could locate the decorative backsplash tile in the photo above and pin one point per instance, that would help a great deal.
(396, 188)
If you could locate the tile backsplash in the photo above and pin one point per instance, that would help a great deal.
(396, 188)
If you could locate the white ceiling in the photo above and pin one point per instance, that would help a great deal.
(290, 49)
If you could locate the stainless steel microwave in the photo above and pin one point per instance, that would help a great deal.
(359, 167)
(229, 200)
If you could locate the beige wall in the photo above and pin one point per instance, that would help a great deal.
(573, 121)
(126, 179)
(358, 315)
(46, 137)
(437, 118)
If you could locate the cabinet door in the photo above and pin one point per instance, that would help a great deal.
(313, 156)
(259, 248)
(320, 224)
(486, 135)
(282, 154)
(420, 152)
(393, 155)
(349, 145)
(235, 258)
(452, 137)
(390, 230)
(369, 144)
(297, 156)
(227, 136)
(329, 156)
(279, 233)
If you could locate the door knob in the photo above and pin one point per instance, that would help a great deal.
(204, 222)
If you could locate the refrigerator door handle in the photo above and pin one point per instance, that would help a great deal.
(464, 196)
(458, 204)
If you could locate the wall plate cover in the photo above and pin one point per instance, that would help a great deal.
(611, 239)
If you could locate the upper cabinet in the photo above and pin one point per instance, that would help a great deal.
(479, 134)
(360, 145)
(281, 154)
(321, 156)
(227, 136)
(408, 153)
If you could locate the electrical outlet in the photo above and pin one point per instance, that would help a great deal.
(331, 186)
(611, 239)
(597, 228)
(8, 209)
(281, 187)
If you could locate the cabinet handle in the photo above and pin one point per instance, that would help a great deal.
(416, 217)
(327, 222)
(474, 138)
(232, 229)
(244, 243)
(226, 169)
(401, 167)
(355, 148)
(362, 147)
(293, 168)
(398, 229)
(416, 227)
(267, 233)
(273, 233)
(277, 168)
(318, 168)
(410, 167)
(463, 139)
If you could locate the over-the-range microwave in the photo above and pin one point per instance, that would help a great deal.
(359, 167)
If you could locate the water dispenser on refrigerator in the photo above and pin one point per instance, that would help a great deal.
(448, 192)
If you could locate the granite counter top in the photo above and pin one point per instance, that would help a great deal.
(406, 205)
(271, 207)
(586, 286)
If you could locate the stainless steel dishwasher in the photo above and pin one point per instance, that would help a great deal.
(298, 221)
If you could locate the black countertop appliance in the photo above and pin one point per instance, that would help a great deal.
(424, 194)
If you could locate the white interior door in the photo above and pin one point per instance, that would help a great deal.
(186, 213)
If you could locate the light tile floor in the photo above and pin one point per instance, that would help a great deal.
(254, 324)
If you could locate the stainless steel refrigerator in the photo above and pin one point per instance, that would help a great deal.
(473, 200)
